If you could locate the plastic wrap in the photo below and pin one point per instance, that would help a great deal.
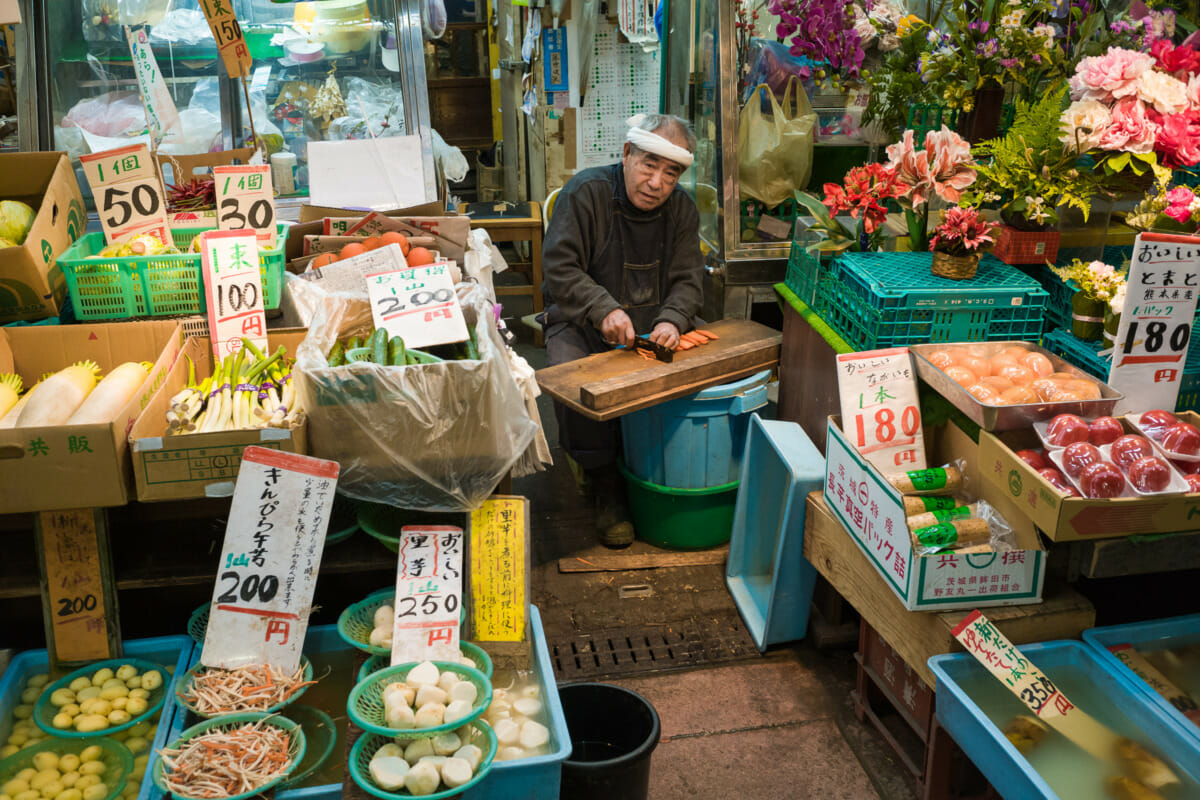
(979, 525)
(383, 105)
(774, 65)
(437, 437)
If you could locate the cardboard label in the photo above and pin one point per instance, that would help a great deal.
(1183, 703)
(498, 574)
(74, 584)
(233, 290)
(880, 410)
(128, 192)
(269, 562)
(231, 43)
(418, 304)
(554, 60)
(161, 115)
(1156, 324)
(246, 199)
(428, 594)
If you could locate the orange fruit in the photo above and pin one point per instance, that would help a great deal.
(393, 237)
(323, 260)
(352, 249)
(419, 257)
(373, 243)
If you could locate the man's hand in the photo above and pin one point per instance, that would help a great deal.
(617, 328)
(666, 334)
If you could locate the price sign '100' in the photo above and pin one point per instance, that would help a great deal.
(238, 298)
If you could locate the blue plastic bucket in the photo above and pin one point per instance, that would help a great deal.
(694, 442)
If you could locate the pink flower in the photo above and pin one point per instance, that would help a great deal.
(1178, 140)
(1168, 95)
(1111, 76)
(1131, 130)
(1181, 61)
(1180, 200)
(1193, 91)
(944, 167)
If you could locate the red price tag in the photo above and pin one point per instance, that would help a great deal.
(879, 408)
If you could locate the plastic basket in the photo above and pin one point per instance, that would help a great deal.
(357, 621)
(1026, 247)
(155, 286)
(483, 662)
(365, 704)
(117, 759)
(228, 723)
(185, 683)
(923, 118)
(805, 271)
(478, 733)
(320, 736)
(1058, 293)
(198, 623)
(44, 711)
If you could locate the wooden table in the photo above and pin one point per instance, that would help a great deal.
(502, 226)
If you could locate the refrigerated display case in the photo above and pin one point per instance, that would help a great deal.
(326, 69)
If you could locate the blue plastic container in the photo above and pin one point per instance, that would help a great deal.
(1077, 671)
(174, 652)
(767, 575)
(693, 442)
(1148, 637)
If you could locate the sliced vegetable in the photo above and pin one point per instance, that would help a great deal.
(55, 399)
(112, 393)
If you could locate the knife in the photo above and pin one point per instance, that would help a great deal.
(664, 354)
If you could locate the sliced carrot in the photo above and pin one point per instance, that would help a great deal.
(708, 334)
(685, 344)
(695, 336)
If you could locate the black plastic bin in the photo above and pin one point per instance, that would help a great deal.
(613, 734)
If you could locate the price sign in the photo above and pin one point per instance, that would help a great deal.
(233, 290)
(418, 305)
(269, 562)
(880, 412)
(71, 548)
(245, 199)
(161, 115)
(499, 569)
(1156, 323)
(1136, 662)
(231, 43)
(128, 192)
(428, 594)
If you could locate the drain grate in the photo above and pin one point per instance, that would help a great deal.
(650, 648)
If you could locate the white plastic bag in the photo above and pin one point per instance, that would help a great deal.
(433, 19)
(450, 159)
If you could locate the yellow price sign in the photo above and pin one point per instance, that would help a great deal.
(499, 569)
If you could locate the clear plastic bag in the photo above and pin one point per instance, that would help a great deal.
(383, 104)
(436, 437)
(433, 19)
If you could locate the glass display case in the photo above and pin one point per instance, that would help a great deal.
(322, 70)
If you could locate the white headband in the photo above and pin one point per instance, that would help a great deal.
(653, 143)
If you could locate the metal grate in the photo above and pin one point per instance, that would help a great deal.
(650, 648)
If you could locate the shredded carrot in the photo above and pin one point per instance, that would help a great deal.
(252, 688)
(220, 763)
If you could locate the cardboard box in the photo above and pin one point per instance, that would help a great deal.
(200, 464)
(31, 285)
(78, 466)
(1065, 519)
(872, 512)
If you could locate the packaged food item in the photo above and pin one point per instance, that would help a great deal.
(946, 479)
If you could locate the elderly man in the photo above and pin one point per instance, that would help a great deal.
(621, 259)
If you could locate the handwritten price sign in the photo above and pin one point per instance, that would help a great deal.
(73, 583)
(233, 290)
(269, 562)
(246, 199)
(417, 304)
(428, 594)
(128, 192)
(880, 413)
(231, 43)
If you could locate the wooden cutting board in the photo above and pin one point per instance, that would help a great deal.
(609, 385)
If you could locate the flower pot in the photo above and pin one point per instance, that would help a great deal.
(1087, 317)
(982, 122)
(957, 268)
(1112, 322)
(1026, 247)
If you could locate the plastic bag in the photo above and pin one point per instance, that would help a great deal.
(775, 66)
(775, 150)
(976, 527)
(182, 26)
(433, 19)
(450, 159)
(384, 107)
(117, 113)
(199, 132)
(436, 437)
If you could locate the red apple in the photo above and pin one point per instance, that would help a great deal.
(1079, 455)
(1058, 481)
(1105, 430)
(1150, 474)
(1101, 480)
(1182, 438)
(1128, 449)
(1193, 483)
(1033, 458)
(1155, 423)
(1067, 429)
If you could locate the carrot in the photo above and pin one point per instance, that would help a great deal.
(686, 344)
(709, 334)
(694, 337)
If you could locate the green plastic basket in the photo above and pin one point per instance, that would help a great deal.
(153, 286)
(116, 757)
(478, 733)
(356, 622)
(343, 521)
(198, 623)
(365, 704)
(44, 711)
(186, 681)
(320, 735)
(299, 747)
(483, 662)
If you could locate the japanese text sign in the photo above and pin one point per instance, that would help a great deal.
(498, 570)
(233, 290)
(1156, 323)
(428, 594)
(128, 192)
(228, 34)
(1138, 664)
(246, 199)
(74, 585)
(269, 561)
(879, 408)
(161, 114)
(417, 304)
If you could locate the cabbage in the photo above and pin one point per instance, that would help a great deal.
(6, 243)
(16, 219)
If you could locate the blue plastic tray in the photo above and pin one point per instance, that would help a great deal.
(767, 575)
(1159, 634)
(1073, 666)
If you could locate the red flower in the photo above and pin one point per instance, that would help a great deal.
(1181, 61)
(865, 188)
(1178, 140)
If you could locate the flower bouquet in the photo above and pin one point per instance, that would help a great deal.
(864, 194)
(944, 168)
(1098, 283)
(1176, 210)
(959, 242)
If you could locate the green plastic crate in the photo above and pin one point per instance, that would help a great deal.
(153, 286)
(923, 118)
(804, 271)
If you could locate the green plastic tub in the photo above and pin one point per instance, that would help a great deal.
(683, 519)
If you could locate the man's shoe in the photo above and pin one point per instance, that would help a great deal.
(613, 523)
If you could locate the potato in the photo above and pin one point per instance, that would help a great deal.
(62, 697)
(95, 706)
(87, 780)
(112, 683)
(44, 777)
(70, 709)
(68, 762)
(89, 693)
(101, 676)
(30, 695)
(136, 744)
(118, 703)
(52, 789)
(79, 684)
(114, 693)
(126, 671)
(45, 761)
(15, 786)
(39, 680)
(28, 794)
(8, 750)
(90, 723)
(137, 692)
(97, 792)
(69, 779)
(19, 738)
(136, 706)
(26, 775)
(69, 794)
(91, 753)
(134, 683)
(92, 768)
(119, 717)
(62, 721)
(151, 680)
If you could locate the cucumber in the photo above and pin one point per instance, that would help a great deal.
(354, 342)
(396, 352)
(337, 356)
(379, 346)
(472, 345)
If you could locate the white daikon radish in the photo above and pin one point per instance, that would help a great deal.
(384, 617)
(465, 691)
(112, 394)
(508, 732)
(422, 779)
(533, 734)
(527, 706)
(471, 754)
(10, 390)
(55, 399)
(445, 744)
(509, 753)
(9, 420)
(447, 681)
(400, 717)
(431, 715)
(430, 694)
(418, 749)
(423, 674)
(389, 772)
(456, 772)
(459, 709)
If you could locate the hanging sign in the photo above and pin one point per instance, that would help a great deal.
(231, 43)
(162, 117)
(499, 569)
(418, 304)
(233, 290)
(428, 594)
(1156, 324)
(128, 192)
(880, 413)
(74, 585)
(246, 199)
(269, 561)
